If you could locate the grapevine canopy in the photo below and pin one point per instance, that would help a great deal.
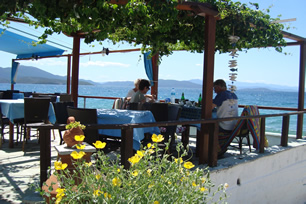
(157, 25)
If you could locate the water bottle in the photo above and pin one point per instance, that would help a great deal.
(172, 95)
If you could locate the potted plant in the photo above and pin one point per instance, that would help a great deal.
(73, 128)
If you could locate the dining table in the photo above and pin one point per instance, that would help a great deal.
(122, 116)
(14, 109)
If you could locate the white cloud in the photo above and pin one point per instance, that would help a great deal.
(103, 64)
(45, 62)
(199, 65)
(57, 62)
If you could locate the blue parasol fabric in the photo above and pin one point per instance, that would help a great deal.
(148, 67)
(23, 46)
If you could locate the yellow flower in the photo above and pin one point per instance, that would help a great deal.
(79, 146)
(97, 192)
(140, 153)
(88, 164)
(59, 166)
(157, 138)
(169, 183)
(156, 202)
(149, 172)
(178, 160)
(188, 165)
(151, 151)
(203, 189)
(134, 159)
(98, 176)
(226, 185)
(194, 184)
(149, 145)
(79, 138)
(107, 195)
(118, 170)
(77, 155)
(116, 181)
(60, 192)
(99, 145)
(135, 173)
(151, 185)
(203, 180)
(58, 200)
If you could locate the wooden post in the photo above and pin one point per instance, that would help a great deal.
(299, 131)
(45, 153)
(75, 69)
(68, 74)
(126, 146)
(262, 135)
(185, 136)
(207, 89)
(213, 144)
(154, 89)
(285, 131)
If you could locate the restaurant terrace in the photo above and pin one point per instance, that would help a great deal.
(207, 135)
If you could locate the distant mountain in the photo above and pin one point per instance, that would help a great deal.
(242, 86)
(33, 75)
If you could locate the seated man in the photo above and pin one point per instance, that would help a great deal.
(227, 105)
(139, 96)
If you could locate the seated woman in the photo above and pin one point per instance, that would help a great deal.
(134, 90)
(139, 96)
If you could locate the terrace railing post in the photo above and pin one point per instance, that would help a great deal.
(185, 136)
(213, 144)
(262, 135)
(285, 131)
(45, 153)
(126, 146)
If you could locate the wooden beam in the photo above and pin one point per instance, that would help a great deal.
(207, 89)
(201, 9)
(75, 69)
(301, 99)
(292, 36)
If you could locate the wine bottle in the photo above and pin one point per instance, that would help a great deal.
(200, 100)
(183, 98)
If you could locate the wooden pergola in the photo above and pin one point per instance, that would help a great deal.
(211, 17)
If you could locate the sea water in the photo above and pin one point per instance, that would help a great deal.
(254, 97)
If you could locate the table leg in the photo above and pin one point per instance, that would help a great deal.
(11, 140)
(45, 154)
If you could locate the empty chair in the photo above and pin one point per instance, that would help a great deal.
(160, 111)
(4, 122)
(61, 114)
(174, 113)
(51, 97)
(27, 94)
(65, 97)
(35, 112)
(86, 116)
(8, 94)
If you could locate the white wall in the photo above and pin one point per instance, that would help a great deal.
(276, 178)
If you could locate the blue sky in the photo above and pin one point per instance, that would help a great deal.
(255, 65)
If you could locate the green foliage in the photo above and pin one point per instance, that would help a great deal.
(157, 25)
(75, 124)
(154, 177)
